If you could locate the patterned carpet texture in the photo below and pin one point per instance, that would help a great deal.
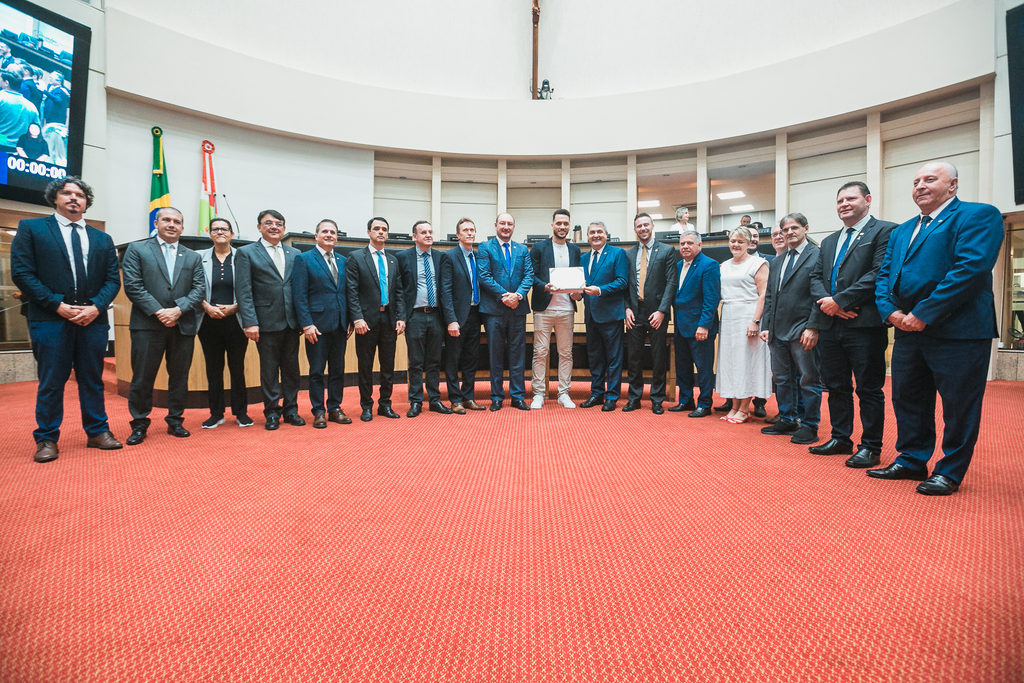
(550, 545)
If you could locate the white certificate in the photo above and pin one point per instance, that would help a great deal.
(568, 280)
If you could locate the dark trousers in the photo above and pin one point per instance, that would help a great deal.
(461, 357)
(149, 347)
(690, 352)
(220, 337)
(957, 370)
(328, 352)
(857, 352)
(424, 336)
(635, 340)
(379, 341)
(279, 372)
(604, 351)
(60, 347)
(507, 331)
(789, 358)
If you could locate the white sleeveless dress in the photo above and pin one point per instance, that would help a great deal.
(744, 364)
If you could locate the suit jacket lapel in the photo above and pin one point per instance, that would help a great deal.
(179, 260)
(158, 254)
(262, 251)
(926, 231)
(289, 261)
(323, 265)
(58, 237)
(855, 242)
(796, 266)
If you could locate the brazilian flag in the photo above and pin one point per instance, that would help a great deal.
(159, 193)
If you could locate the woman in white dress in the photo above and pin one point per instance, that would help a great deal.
(744, 370)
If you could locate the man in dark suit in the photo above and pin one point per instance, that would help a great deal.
(935, 287)
(607, 274)
(263, 287)
(852, 338)
(321, 306)
(506, 275)
(460, 303)
(67, 271)
(786, 326)
(164, 280)
(553, 311)
(652, 285)
(376, 307)
(696, 303)
(424, 332)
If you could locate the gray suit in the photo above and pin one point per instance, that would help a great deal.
(148, 287)
(265, 299)
(659, 292)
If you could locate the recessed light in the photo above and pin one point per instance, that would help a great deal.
(656, 216)
(648, 204)
(741, 207)
(730, 195)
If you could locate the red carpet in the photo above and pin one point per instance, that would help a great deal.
(553, 545)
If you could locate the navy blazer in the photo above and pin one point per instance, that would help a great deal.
(945, 277)
(543, 256)
(456, 287)
(407, 264)
(612, 276)
(41, 268)
(363, 282)
(319, 300)
(696, 302)
(494, 279)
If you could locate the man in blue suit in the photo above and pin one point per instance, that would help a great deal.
(607, 275)
(460, 303)
(318, 290)
(696, 309)
(68, 272)
(935, 287)
(506, 274)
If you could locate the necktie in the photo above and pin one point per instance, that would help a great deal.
(789, 266)
(279, 259)
(839, 259)
(682, 275)
(642, 279)
(508, 259)
(81, 274)
(925, 220)
(593, 262)
(472, 274)
(429, 277)
(383, 275)
(169, 260)
(334, 267)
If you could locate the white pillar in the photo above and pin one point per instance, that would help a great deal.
(781, 175)
(502, 186)
(703, 192)
(435, 195)
(986, 168)
(566, 184)
(875, 170)
(630, 196)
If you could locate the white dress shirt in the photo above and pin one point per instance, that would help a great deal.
(83, 235)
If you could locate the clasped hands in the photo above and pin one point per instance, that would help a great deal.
(79, 315)
(906, 322)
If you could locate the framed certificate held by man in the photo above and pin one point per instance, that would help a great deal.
(568, 280)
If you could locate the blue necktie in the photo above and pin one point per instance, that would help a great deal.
(383, 274)
(508, 259)
(169, 260)
(839, 259)
(81, 274)
(472, 273)
(430, 280)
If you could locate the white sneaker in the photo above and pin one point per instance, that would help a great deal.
(565, 401)
(537, 403)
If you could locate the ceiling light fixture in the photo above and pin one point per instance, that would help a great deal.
(741, 207)
(656, 216)
(731, 195)
(648, 204)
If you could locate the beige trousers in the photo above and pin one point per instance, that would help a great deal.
(562, 324)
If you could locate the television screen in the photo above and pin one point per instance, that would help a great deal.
(44, 71)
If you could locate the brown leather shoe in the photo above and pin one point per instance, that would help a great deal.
(104, 442)
(338, 416)
(774, 419)
(472, 405)
(45, 451)
(458, 409)
(319, 421)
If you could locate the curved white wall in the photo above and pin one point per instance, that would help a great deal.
(867, 71)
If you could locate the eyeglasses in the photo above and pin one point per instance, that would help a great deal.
(213, 230)
(272, 224)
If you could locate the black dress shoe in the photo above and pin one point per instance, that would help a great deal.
(339, 417)
(137, 436)
(700, 412)
(319, 421)
(495, 406)
(805, 435)
(591, 402)
(631, 406)
(865, 457)
(387, 412)
(832, 447)
(725, 407)
(781, 428)
(273, 422)
(414, 409)
(937, 485)
(438, 407)
(683, 407)
(367, 415)
(898, 471)
(608, 407)
(657, 408)
(45, 451)
(759, 410)
(294, 420)
(519, 405)
(178, 431)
